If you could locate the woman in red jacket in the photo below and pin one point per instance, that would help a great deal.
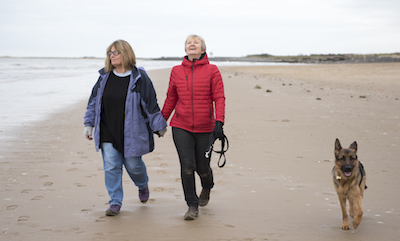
(196, 92)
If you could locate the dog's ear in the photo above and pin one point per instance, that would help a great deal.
(353, 146)
(338, 147)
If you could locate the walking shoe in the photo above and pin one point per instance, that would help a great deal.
(113, 210)
(204, 197)
(192, 213)
(144, 194)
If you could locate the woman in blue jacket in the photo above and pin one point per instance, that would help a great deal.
(124, 113)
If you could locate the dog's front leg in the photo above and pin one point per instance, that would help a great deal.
(346, 224)
(352, 207)
(359, 211)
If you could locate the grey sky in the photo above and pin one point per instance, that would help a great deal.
(155, 28)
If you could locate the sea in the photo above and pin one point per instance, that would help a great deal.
(33, 88)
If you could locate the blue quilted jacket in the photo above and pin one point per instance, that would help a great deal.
(142, 113)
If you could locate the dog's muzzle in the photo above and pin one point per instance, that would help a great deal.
(347, 169)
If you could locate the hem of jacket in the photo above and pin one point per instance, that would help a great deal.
(196, 130)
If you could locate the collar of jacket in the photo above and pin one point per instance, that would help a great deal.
(203, 60)
(134, 76)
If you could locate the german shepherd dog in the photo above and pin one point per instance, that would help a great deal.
(349, 179)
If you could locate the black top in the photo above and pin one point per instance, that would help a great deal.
(113, 111)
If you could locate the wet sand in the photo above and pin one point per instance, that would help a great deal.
(281, 122)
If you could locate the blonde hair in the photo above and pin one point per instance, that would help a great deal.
(128, 57)
(203, 43)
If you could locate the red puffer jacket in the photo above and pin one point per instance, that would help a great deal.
(194, 89)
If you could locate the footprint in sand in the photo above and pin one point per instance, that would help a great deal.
(163, 165)
(90, 176)
(12, 207)
(23, 218)
(80, 185)
(44, 176)
(101, 219)
(86, 211)
(208, 214)
(161, 172)
(37, 198)
(47, 184)
(26, 191)
(158, 189)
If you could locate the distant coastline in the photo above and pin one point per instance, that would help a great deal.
(309, 59)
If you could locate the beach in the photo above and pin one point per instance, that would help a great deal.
(281, 121)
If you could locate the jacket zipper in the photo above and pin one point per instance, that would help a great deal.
(192, 98)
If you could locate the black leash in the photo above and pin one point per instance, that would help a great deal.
(210, 149)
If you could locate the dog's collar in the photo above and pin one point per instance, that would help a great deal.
(338, 177)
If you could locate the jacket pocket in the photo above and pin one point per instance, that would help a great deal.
(177, 108)
(210, 104)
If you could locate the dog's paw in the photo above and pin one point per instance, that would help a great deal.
(346, 226)
(356, 222)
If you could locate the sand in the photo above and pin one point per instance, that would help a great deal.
(281, 122)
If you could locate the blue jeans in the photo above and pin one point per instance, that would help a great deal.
(113, 161)
(191, 148)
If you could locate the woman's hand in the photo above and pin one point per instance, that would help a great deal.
(88, 132)
(161, 132)
(218, 130)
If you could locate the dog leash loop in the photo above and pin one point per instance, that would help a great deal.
(210, 149)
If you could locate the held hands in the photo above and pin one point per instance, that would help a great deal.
(161, 132)
(218, 130)
(88, 132)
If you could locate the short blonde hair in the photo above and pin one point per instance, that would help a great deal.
(203, 43)
(128, 57)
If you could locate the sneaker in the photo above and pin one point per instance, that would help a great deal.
(192, 213)
(204, 197)
(144, 194)
(113, 210)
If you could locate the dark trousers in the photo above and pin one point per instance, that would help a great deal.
(191, 148)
